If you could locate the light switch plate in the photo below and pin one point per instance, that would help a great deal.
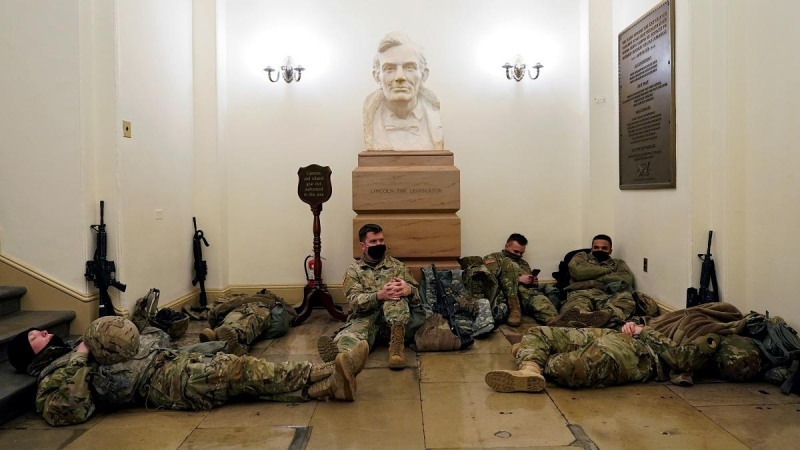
(126, 129)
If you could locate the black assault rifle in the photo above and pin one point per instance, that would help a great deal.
(200, 266)
(447, 306)
(101, 271)
(708, 276)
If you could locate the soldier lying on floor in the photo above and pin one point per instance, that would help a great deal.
(241, 319)
(117, 364)
(594, 357)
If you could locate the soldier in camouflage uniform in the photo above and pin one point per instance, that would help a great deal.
(71, 380)
(518, 284)
(594, 357)
(384, 301)
(241, 319)
(601, 288)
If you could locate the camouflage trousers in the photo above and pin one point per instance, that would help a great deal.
(620, 305)
(587, 357)
(378, 323)
(249, 321)
(536, 305)
(185, 381)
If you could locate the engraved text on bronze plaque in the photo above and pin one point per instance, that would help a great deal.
(647, 101)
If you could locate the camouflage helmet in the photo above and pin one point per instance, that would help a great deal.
(112, 339)
(738, 358)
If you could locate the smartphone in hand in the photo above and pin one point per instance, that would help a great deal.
(535, 273)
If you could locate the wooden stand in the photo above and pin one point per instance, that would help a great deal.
(315, 189)
(318, 295)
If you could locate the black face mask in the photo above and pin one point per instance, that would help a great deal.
(600, 255)
(376, 252)
(55, 341)
(508, 254)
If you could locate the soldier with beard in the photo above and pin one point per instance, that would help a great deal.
(518, 284)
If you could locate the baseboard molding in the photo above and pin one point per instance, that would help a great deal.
(51, 282)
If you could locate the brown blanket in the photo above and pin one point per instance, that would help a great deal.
(685, 325)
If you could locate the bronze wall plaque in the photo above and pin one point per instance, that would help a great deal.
(647, 100)
(314, 186)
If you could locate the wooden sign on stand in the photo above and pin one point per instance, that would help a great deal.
(314, 188)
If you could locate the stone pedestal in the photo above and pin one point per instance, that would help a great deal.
(414, 197)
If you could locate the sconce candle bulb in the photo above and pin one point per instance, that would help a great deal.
(289, 71)
(518, 69)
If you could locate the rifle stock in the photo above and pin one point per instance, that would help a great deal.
(447, 306)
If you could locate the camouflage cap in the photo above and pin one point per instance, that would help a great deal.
(738, 358)
(112, 339)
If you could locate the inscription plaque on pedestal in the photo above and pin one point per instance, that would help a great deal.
(647, 100)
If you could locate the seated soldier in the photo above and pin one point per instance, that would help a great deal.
(384, 301)
(594, 357)
(115, 364)
(241, 319)
(601, 288)
(518, 284)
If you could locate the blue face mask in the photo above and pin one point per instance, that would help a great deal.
(376, 252)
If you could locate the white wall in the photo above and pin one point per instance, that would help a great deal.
(772, 135)
(41, 156)
(518, 145)
(156, 167)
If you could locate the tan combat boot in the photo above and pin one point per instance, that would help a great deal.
(527, 379)
(515, 348)
(327, 348)
(208, 335)
(340, 385)
(321, 371)
(358, 357)
(397, 355)
(229, 335)
(515, 315)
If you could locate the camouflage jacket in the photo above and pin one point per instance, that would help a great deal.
(68, 384)
(683, 358)
(507, 270)
(584, 267)
(362, 282)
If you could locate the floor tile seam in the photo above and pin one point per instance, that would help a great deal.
(566, 422)
(422, 413)
(745, 404)
(721, 427)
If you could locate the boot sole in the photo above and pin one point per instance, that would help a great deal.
(232, 339)
(342, 366)
(594, 320)
(502, 381)
(327, 349)
(563, 319)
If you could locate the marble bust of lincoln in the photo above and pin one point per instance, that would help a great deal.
(401, 114)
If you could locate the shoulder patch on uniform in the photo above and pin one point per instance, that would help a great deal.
(488, 260)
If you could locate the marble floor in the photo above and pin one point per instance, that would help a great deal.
(440, 401)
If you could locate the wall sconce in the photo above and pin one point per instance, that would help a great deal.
(289, 71)
(518, 69)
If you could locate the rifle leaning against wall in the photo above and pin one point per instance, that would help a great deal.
(101, 271)
(447, 306)
(708, 277)
(200, 266)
